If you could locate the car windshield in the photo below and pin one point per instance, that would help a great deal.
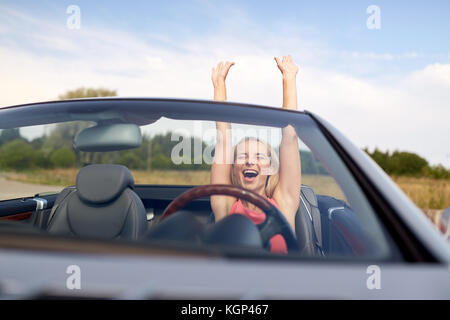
(169, 149)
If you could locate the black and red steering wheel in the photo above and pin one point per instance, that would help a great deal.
(275, 222)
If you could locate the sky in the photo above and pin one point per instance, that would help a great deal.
(385, 87)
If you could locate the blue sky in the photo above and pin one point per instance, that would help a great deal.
(386, 88)
(407, 26)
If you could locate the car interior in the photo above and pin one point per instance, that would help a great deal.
(105, 203)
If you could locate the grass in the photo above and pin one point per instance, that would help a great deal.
(53, 177)
(426, 193)
(66, 177)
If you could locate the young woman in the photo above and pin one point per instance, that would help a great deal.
(253, 164)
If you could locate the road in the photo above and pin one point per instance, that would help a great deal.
(13, 189)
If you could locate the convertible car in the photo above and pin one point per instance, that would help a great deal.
(113, 202)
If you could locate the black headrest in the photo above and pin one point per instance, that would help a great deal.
(101, 183)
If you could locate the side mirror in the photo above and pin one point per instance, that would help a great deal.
(108, 137)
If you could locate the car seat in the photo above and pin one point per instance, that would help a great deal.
(101, 205)
(326, 226)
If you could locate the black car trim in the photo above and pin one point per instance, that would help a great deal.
(153, 108)
(16, 206)
(34, 239)
(20, 205)
(238, 104)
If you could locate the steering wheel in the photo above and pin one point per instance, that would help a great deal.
(275, 222)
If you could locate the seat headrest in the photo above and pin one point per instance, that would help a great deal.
(101, 183)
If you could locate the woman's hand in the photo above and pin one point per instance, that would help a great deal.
(219, 73)
(287, 67)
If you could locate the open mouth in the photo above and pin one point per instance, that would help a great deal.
(249, 173)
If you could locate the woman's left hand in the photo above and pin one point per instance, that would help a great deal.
(287, 67)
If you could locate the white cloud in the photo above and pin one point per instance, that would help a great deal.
(370, 55)
(380, 56)
(433, 76)
(410, 114)
(407, 112)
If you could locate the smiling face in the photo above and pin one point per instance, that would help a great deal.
(252, 165)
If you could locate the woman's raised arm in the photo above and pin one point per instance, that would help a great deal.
(221, 166)
(287, 191)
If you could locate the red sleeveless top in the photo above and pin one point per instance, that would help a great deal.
(277, 242)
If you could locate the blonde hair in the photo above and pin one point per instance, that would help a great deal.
(272, 180)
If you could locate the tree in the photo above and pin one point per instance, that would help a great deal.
(62, 134)
(407, 163)
(132, 160)
(383, 159)
(40, 159)
(310, 165)
(87, 93)
(400, 163)
(8, 135)
(437, 172)
(17, 155)
(162, 162)
(38, 143)
(63, 158)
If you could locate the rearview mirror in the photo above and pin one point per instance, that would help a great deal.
(108, 137)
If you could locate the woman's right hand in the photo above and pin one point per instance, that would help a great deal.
(219, 73)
